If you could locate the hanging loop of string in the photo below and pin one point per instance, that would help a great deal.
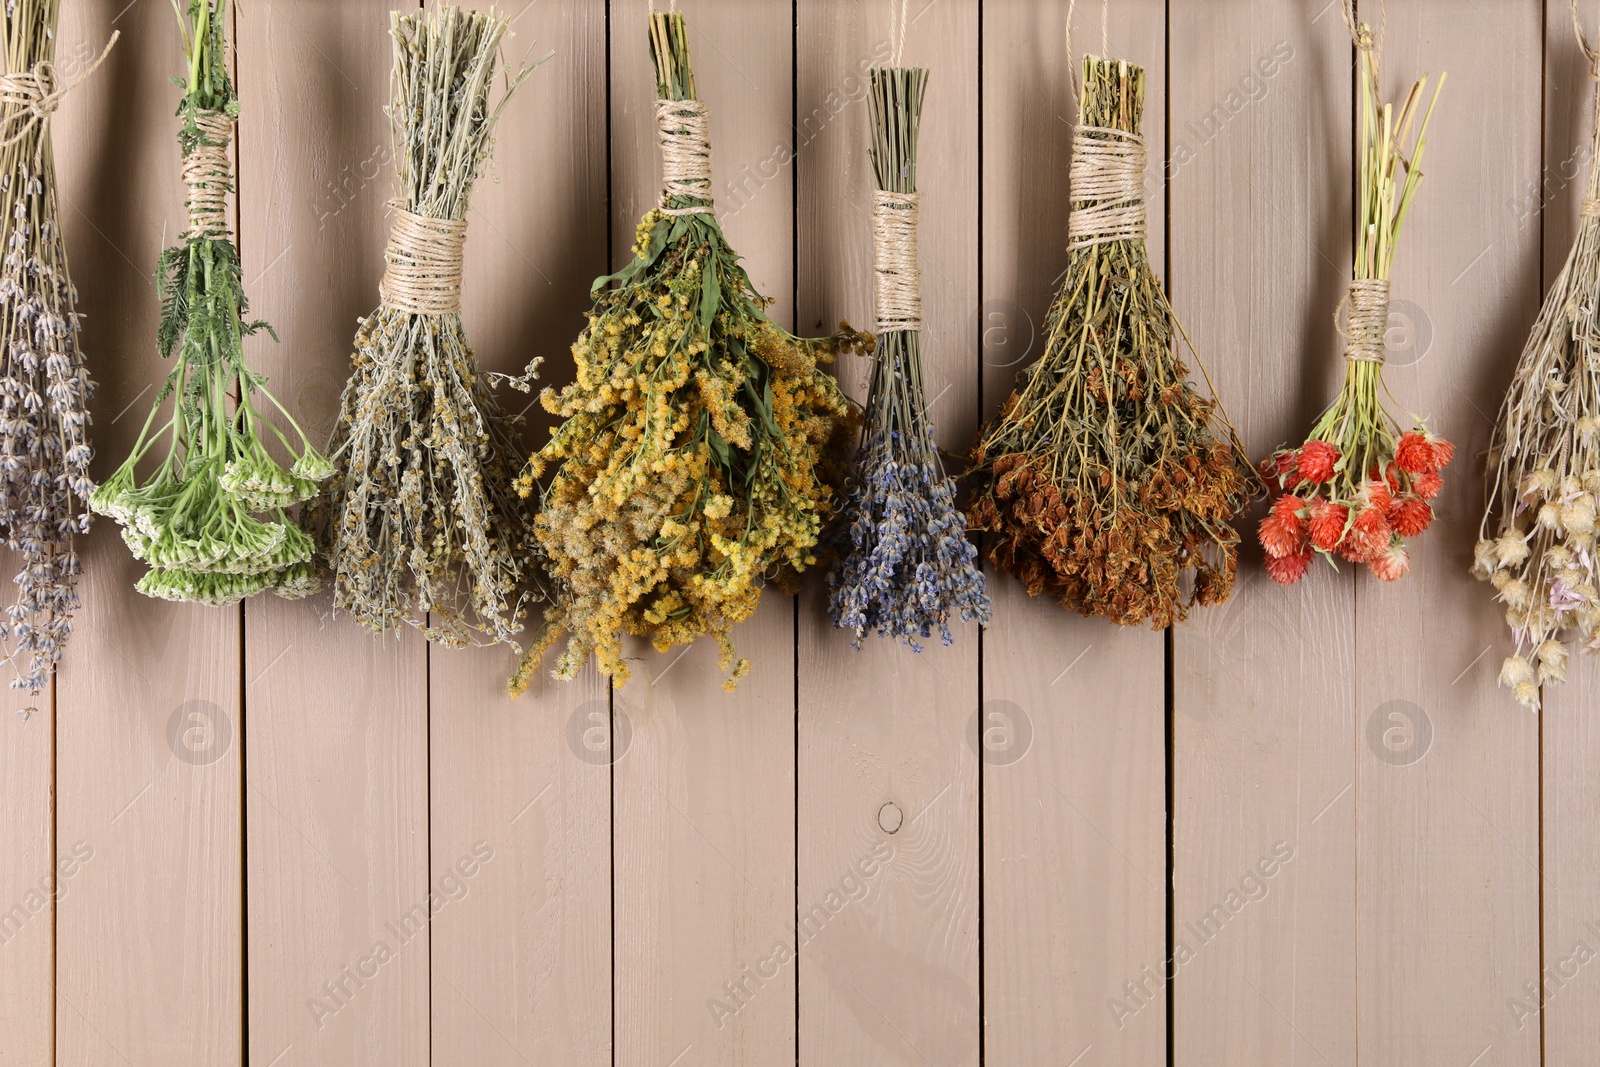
(29, 97)
(424, 260)
(1368, 300)
(1361, 32)
(1105, 38)
(683, 129)
(1107, 187)
(896, 273)
(898, 23)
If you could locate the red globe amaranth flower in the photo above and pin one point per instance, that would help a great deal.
(1377, 494)
(1369, 534)
(1276, 538)
(1410, 516)
(1286, 570)
(1414, 454)
(1287, 509)
(1428, 485)
(1392, 564)
(1316, 461)
(1327, 523)
(1443, 451)
(1422, 452)
(1280, 538)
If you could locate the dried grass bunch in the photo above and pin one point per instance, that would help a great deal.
(422, 526)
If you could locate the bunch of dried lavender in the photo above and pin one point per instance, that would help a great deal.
(695, 459)
(44, 386)
(906, 565)
(1106, 475)
(194, 522)
(1537, 544)
(421, 525)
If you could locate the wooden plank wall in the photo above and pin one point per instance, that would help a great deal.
(1305, 827)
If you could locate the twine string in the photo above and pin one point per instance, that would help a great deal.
(1368, 300)
(1590, 207)
(1590, 52)
(685, 155)
(424, 260)
(29, 97)
(898, 23)
(896, 273)
(1106, 184)
(1105, 38)
(1361, 34)
(208, 174)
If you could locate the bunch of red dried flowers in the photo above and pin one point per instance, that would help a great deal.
(1358, 487)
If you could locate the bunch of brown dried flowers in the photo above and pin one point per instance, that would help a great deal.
(1106, 477)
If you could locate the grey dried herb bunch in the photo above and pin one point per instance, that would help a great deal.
(421, 525)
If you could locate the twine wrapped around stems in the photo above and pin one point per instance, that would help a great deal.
(1368, 299)
(424, 260)
(682, 126)
(1107, 187)
(208, 175)
(895, 271)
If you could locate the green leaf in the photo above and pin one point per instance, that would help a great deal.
(710, 295)
(719, 449)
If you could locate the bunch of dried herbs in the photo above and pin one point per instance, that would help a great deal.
(697, 455)
(421, 525)
(44, 385)
(1358, 487)
(194, 521)
(1537, 540)
(1107, 477)
(905, 564)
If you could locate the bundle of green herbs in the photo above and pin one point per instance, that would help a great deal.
(44, 385)
(906, 566)
(1106, 477)
(698, 453)
(1537, 543)
(195, 520)
(421, 525)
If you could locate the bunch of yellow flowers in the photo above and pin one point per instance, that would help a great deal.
(695, 459)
